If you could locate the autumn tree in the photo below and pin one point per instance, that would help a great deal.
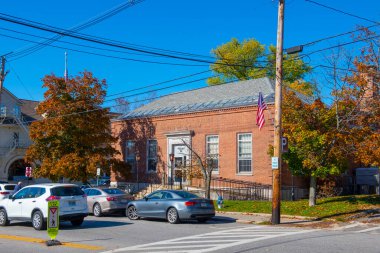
(315, 144)
(363, 101)
(249, 60)
(325, 138)
(74, 136)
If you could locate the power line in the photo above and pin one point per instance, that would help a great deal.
(80, 27)
(149, 99)
(22, 83)
(108, 56)
(163, 88)
(338, 35)
(159, 83)
(63, 32)
(339, 45)
(103, 42)
(343, 12)
(66, 42)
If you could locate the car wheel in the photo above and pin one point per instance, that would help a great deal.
(132, 213)
(3, 218)
(97, 210)
(172, 215)
(202, 220)
(77, 222)
(38, 221)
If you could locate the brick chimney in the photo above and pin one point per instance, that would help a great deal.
(371, 90)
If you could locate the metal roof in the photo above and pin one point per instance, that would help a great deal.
(215, 97)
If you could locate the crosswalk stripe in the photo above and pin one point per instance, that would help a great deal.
(211, 241)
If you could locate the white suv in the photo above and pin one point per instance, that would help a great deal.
(31, 204)
(6, 190)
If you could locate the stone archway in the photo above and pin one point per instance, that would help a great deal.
(16, 170)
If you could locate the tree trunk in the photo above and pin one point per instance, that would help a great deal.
(207, 185)
(313, 191)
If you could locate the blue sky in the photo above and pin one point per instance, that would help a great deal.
(194, 26)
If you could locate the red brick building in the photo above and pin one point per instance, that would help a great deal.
(216, 120)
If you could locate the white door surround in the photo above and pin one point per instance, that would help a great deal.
(176, 146)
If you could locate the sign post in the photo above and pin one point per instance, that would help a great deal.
(53, 222)
(28, 173)
(97, 176)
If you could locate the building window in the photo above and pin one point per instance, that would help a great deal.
(152, 155)
(130, 154)
(212, 150)
(244, 153)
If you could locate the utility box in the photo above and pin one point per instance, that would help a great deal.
(368, 180)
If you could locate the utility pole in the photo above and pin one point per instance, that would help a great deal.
(2, 75)
(276, 160)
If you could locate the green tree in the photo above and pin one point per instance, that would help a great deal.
(249, 60)
(74, 136)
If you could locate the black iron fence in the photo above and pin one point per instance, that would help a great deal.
(231, 189)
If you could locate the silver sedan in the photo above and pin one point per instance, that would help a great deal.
(106, 200)
(173, 206)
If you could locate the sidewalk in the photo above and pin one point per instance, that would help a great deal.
(295, 221)
(259, 218)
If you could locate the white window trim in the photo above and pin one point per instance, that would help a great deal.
(238, 172)
(207, 151)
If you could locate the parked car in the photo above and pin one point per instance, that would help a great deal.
(86, 186)
(31, 204)
(106, 200)
(6, 190)
(173, 206)
(101, 181)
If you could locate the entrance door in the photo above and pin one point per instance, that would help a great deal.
(181, 154)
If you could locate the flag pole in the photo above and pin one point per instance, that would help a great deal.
(66, 71)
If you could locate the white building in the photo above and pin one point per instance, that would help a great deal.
(15, 117)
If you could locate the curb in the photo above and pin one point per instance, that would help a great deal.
(268, 215)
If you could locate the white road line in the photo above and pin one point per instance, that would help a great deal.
(348, 226)
(368, 230)
(212, 241)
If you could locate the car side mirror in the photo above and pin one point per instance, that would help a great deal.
(146, 198)
(10, 197)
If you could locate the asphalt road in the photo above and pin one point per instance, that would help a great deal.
(118, 234)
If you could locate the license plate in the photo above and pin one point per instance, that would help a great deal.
(123, 201)
(72, 203)
(203, 204)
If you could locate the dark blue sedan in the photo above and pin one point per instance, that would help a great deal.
(173, 206)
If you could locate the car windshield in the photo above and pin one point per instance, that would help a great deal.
(186, 195)
(113, 191)
(66, 191)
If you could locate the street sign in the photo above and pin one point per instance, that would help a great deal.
(98, 171)
(285, 148)
(28, 172)
(53, 219)
(274, 163)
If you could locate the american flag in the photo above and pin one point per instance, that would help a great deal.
(260, 111)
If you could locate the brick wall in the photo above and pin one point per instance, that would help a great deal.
(224, 123)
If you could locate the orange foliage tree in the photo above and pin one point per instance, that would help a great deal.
(363, 99)
(74, 136)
